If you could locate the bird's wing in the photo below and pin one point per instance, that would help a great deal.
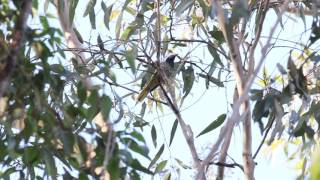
(149, 86)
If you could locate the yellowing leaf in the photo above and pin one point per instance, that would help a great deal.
(276, 144)
(114, 14)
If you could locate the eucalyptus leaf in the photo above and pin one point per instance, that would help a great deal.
(216, 123)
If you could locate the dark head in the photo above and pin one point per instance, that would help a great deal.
(170, 60)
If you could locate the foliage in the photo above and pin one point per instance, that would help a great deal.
(54, 125)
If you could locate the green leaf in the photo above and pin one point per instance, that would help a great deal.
(118, 25)
(212, 79)
(50, 163)
(81, 92)
(92, 17)
(217, 35)
(107, 13)
(256, 94)
(184, 4)
(156, 157)
(139, 122)
(30, 154)
(302, 15)
(173, 130)
(44, 22)
(90, 7)
(114, 167)
(160, 166)
(315, 32)
(214, 53)
(143, 109)
(103, 6)
(57, 68)
(135, 164)
(72, 9)
(8, 172)
(35, 4)
(105, 106)
(281, 69)
(128, 32)
(100, 42)
(134, 146)
(183, 165)
(301, 127)
(188, 79)
(79, 37)
(216, 123)
(138, 136)
(154, 136)
(131, 56)
(239, 10)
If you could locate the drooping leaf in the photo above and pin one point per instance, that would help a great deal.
(50, 163)
(30, 154)
(128, 32)
(217, 35)
(105, 104)
(131, 56)
(302, 15)
(300, 128)
(188, 79)
(183, 165)
(89, 7)
(173, 130)
(216, 123)
(135, 164)
(92, 18)
(256, 94)
(154, 136)
(72, 10)
(156, 157)
(315, 32)
(107, 13)
(160, 166)
(114, 167)
(214, 54)
(118, 25)
(134, 146)
(143, 109)
(239, 10)
(138, 136)
(212, 79)
(184, 5)
(100, 43)
(281, 69)
(79, 37)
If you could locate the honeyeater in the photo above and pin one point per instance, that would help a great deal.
(168, 70)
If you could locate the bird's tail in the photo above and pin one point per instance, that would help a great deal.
(142, 94)
(149, 86)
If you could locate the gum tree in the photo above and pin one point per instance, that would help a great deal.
(68, 97)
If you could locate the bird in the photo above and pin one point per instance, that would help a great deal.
(167, 67)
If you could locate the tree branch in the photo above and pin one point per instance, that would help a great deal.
(186, 130)
(15, 46)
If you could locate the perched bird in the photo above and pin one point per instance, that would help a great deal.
(167, 68)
